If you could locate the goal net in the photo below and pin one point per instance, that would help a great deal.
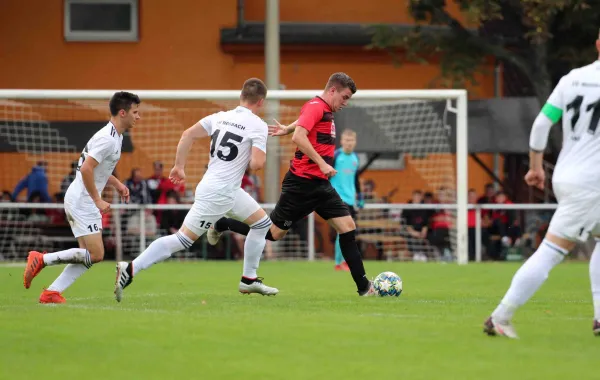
(418, 137)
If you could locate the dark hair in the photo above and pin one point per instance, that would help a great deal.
(341, 81)
(122, 100)
(489, 186)
(472, 190)
(133, 170)
(172, 194)
(253, 91)
(5, 193)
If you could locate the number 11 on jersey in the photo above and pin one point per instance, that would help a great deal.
(575, 105)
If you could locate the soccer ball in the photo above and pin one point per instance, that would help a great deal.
(388, 284)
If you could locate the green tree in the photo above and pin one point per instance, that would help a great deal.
(542, 39)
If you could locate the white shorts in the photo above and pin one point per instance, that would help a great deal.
(205, 212)
(578, 212)
(84, 219)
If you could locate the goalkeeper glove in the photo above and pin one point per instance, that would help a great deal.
(361, 201)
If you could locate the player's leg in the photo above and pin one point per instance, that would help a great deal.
(231, 224)
(571, 222)
(340, 263)
(93, 248)
(200, 217)
(247, 209)
(83, 222)
(86, 224)
(595, 282)
(295, 202)
(337, 214)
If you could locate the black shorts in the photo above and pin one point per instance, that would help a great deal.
(301, 196)
(352, 211)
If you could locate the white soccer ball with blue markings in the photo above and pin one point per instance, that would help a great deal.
(388, 284)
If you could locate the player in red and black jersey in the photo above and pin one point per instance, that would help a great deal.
(306, 187)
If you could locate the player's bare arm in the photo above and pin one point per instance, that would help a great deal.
(300, 138)
(87, 174)
(279, 129)
(258, 159)
(188, 137)
(120, 187)
(537, 143)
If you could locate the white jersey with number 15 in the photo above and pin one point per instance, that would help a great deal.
(233, 134)
(576, 99)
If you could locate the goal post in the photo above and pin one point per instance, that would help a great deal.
(26, 126)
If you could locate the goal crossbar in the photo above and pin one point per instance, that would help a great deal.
(227, 94)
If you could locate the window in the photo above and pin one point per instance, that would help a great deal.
(101, 20)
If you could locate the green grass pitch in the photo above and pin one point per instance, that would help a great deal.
(186, 320)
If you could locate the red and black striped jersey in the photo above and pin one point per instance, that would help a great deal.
(316, 117)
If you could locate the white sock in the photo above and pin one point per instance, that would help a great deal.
(161, 249)
(595, 279)
(68, 277)
(71, 256)
(529, 278)
(254, 246)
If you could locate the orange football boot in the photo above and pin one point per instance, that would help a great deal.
(35, 264)
(51, 296)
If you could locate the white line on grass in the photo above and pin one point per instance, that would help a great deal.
(12, 265)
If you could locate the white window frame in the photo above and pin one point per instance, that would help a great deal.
(102, 36)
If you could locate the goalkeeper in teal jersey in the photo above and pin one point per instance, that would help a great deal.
(346, 183)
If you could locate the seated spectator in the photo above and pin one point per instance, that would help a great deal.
(57, 215)
(416, 221)
(160, 185)
(6, 196)
(35, 182)
(138, 189)
(251, 185)
(502, 220)
(36, 215)
(172, 220)
(369, 190)
(440, 224)
(428, 198)
(69, 178)
(489, 196)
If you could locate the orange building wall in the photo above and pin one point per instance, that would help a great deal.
(179, 49)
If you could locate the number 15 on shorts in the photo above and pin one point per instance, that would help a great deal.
(204, 224)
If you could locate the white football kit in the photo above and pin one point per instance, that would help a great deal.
(82, 214)
(219, 193)
(576, 178)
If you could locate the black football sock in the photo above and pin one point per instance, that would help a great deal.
(248, 281)
(229, 224)
(354, 260)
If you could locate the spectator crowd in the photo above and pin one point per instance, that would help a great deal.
(427, 231)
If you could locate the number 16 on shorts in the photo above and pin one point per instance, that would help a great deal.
(93, 227)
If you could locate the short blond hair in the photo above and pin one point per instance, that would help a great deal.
(348, 132)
